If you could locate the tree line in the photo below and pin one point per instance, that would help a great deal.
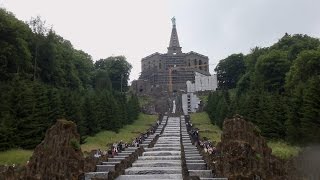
(43, 78)
(276, 87)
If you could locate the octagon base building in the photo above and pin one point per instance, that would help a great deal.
(174, 71)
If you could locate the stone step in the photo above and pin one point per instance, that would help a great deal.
(159, 158)
(190, 149)
(150, 177)
(128, 151)
(157, 161)
(157, 164)
(171, 132)
(90, 175)
(111, 163)
(168, 142)
(169, 138)
(105, 168)
(125, 153)
(198, 157)
(162, 153)
(196, 166)
(194, 161)
(192, 154)
(170, 135)
(201, 173)
(120, 156)
(152, 170)
(186, 140)
(163, 149)
(187, 144)
(167, 145)
(115, 159)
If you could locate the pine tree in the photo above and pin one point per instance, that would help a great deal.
(7, 126)
(22, 101)
(55, 105)
(90, 114)
(310, 121)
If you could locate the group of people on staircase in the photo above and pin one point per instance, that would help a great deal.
(208, 147)
(137, 141)
(114, 149)
(120, 146)
(205, 144)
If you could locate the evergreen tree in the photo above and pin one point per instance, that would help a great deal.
(310, 121)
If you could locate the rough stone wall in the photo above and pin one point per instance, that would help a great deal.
(59, 155)
(243, 153)
(12, 173)
(155, 69)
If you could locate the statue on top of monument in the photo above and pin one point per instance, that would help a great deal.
(173, 21)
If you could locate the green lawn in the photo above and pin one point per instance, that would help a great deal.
(206, 128)
(201, 120)
(99, 141)
(15, 156)
(283, 150)
(127, 133)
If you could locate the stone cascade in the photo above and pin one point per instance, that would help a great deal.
(103, 169)
(163, 161)
(195, 164)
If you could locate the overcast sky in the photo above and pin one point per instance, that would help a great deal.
(137, 28)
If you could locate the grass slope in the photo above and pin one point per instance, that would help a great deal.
(15, 156)
(99, 141)
(127, 134)
(206, 128)
(201, 120)
(283, 150)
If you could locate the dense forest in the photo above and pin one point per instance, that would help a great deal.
(277, 88)
(43, 78)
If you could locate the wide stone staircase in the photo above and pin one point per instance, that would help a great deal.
(103, 169)
(164, 159)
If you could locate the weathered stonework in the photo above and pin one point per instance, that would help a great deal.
(59, 155)
(243, 153)
(155, 69)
